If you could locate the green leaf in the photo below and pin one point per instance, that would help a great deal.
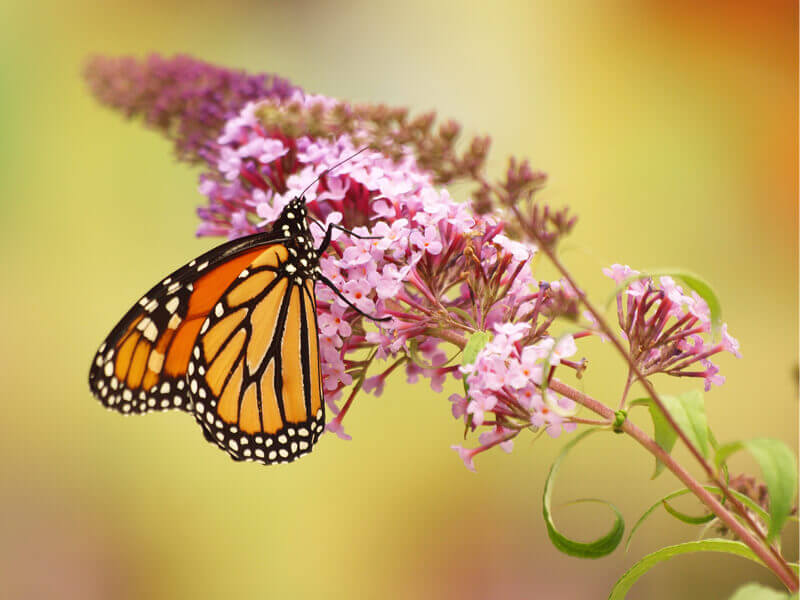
(688, 411)
(601, 546)
(664, 434)
(747, 501)
(779, 468)
(475, 344)
(625, 583)
(689, 519)
(756, 591)
(690, 280)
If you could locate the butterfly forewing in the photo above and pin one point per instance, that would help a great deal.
(142, 364)
(232, 338)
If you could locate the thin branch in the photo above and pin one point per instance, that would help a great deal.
(777, 564)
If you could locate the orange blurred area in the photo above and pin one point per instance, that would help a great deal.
(670, 129)
(749, 35)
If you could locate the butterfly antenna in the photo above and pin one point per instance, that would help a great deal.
(329, 169)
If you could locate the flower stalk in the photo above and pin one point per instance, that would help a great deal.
(766, 551)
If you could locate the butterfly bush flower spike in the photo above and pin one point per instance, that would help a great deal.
(186, 99)
(668, 328)
(418, 254)
(437, 268)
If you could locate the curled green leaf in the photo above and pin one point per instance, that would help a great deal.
(746, 500)
(688, 519)
(625, 583)
(779, 468)
(602, 546)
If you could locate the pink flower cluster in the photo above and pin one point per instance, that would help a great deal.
(441, 270)
(665, 327)
(441, 273)
(505, 391)
(414, 271)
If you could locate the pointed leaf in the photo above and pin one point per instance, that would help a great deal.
(779, 468)
(601, 546)
(688, 411)
(665, 435)
(625, 583)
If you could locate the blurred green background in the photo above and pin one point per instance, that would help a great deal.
(669, 127)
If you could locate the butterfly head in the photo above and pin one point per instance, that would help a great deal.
(292, 220)
(292, 226)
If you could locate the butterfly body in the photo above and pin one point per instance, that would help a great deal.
(232, 338)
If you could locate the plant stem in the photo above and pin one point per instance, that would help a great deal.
(655, 397)
(449, 336)
(628, 382)
(768, 553)
(776, 563)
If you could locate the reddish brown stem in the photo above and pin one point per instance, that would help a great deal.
(776, 564)
(656, 398)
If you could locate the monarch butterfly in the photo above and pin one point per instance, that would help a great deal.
(230, 337)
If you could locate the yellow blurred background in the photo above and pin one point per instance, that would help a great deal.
(669, 128)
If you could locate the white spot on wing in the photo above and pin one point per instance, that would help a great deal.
(151, 331)
(173, 304)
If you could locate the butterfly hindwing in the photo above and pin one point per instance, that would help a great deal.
(254, 372)
(141, 365)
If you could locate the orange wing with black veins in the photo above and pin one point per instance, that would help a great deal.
(254, 373)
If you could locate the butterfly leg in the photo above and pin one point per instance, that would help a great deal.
(329, 232)
(333, 287)
(353, 233)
